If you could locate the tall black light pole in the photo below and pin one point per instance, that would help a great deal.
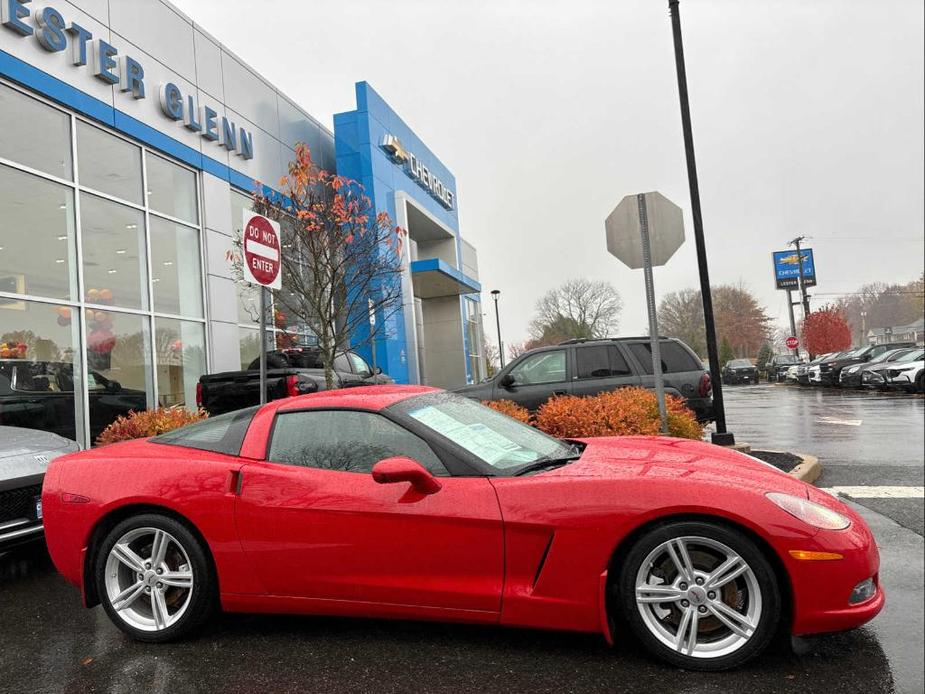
(721, 437)
(495, 294)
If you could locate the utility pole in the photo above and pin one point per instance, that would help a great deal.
(496, 294)
(796, 242)
(721, 437)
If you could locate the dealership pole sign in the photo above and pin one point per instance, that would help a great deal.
(787, 268)
(57, 35)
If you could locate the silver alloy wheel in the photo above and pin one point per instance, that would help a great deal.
(698, 597)
(149, 579)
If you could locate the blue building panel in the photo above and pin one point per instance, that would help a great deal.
(358, 136)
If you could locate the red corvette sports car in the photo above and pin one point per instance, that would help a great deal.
(410, 502)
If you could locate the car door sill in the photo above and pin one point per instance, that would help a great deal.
(240, 602)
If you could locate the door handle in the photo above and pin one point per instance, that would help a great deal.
(558, 392)
(235, 481)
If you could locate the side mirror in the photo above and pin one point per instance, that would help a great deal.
(401, 469)
(114, 387)
(377, 370)
(506, 381)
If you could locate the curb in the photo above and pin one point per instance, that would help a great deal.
(809, 470)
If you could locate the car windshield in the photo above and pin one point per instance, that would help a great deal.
(497, 440)
(740, 362)
(787, 359)
(890, 355)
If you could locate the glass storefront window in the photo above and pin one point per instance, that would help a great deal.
(119, 366)
(181, 359)
(34, 134)
(171, 189)
(115, 267)
(37, 239)
(108, 164)
(176, 274)
(39, 356)
(249, 343)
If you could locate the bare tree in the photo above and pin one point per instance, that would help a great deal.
(341, 262)
(580, 308)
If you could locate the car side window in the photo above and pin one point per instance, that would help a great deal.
(345, 440)
(360, 367)
(675, 358)
(544, 367)
(341, 364)
(599, 361)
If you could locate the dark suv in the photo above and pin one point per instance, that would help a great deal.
(588, 367)
(830, 370)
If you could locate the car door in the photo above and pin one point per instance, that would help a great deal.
(536, 378)
(599, 368)
(316, 525)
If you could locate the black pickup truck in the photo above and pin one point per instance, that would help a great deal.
(289, 372)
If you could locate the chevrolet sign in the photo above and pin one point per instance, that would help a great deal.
(392, 146)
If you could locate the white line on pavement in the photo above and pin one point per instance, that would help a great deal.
(877, 492)
(841, 422)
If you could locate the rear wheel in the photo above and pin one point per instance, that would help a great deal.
(920, 383)
(154, 578)
(699, 595)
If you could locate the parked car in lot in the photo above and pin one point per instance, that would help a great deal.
(589, 367)
(290, 372)
(830, 369)
(739, 371)
(853, 376)
(778, 366)
(40, 395)
(905, 373)
(409, 502)
(24, 456)
(814, 370)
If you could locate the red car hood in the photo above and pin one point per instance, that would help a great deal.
(682, 459)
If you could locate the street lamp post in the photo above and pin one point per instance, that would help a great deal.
(495, 294)
(721, 437)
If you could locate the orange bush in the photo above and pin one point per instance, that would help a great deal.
(139, 425)
(510, 408)
(623, 412)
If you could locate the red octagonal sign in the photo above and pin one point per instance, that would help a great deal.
(261, 251)
(792, 342)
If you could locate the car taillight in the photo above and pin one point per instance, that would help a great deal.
(198, 395)
(706, 385)
(292, 386)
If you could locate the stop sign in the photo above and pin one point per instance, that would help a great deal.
(792, 342)
(261, 251)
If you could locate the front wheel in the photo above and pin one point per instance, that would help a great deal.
(154, 578)
(700, 595)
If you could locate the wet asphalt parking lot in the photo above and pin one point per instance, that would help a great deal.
(48, 643)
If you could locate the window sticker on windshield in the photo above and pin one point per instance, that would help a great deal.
(476, 438)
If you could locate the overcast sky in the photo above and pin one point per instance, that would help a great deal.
(807, 116)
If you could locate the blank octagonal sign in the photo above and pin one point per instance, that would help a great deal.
(666, 230)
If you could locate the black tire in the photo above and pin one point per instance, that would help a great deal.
(920, 383)
(770, 616)
(203, 600)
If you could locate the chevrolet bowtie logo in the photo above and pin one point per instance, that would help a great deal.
(393, 147)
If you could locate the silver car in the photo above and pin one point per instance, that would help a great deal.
(24, 457)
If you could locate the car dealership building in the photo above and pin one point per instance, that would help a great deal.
(130, 142)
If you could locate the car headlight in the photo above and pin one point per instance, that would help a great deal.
(853, 369)
(810, 512)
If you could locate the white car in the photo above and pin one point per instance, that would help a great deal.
(906, 373)
(24, 456)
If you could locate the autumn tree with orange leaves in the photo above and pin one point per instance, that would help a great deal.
(826, 330)
(341, 260)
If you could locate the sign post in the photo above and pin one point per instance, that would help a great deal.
(643, 231)
(262, 262)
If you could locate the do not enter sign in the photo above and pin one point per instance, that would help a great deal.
(261, 251)
(792, 342)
